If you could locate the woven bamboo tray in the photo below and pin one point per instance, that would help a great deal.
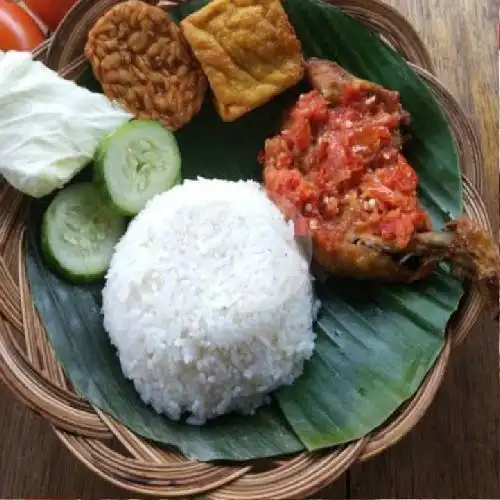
(29, 368)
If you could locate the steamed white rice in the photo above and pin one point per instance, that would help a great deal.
(209, 301)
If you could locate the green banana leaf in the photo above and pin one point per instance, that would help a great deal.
(375, 342)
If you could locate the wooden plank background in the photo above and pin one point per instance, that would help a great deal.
(454, 451)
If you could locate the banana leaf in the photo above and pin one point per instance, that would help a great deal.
(375, 342)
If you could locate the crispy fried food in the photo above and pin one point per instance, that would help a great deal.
(338, 164)
(247, 49)
(467, 246)
(332, 81)
(141, 59)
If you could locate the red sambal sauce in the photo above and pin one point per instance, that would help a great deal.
(342, 169)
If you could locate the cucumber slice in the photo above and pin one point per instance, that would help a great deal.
(79, 233)
(135, 163)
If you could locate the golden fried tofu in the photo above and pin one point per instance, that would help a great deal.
(247, 49)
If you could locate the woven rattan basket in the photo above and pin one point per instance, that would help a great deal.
(29, 368)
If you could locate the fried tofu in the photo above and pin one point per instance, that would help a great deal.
(247, 49)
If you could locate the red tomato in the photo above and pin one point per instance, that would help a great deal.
(18, 31)
(50, 12)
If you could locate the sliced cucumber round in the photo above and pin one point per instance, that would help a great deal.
(135, 163)
(79, 233)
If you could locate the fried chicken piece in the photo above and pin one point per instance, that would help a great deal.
(338, 165)
(466, 245)
(334, 82)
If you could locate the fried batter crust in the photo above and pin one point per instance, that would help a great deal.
(141, 59)
(247, 49)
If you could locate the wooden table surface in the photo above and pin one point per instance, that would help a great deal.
(455, 449)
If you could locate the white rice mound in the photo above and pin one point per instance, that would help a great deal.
(209, 300)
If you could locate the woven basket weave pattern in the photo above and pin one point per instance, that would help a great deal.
(28, 365)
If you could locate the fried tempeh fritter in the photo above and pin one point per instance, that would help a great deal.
(141, 59)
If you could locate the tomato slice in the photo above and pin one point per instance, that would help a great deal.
(18, 31)
(50, 12)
